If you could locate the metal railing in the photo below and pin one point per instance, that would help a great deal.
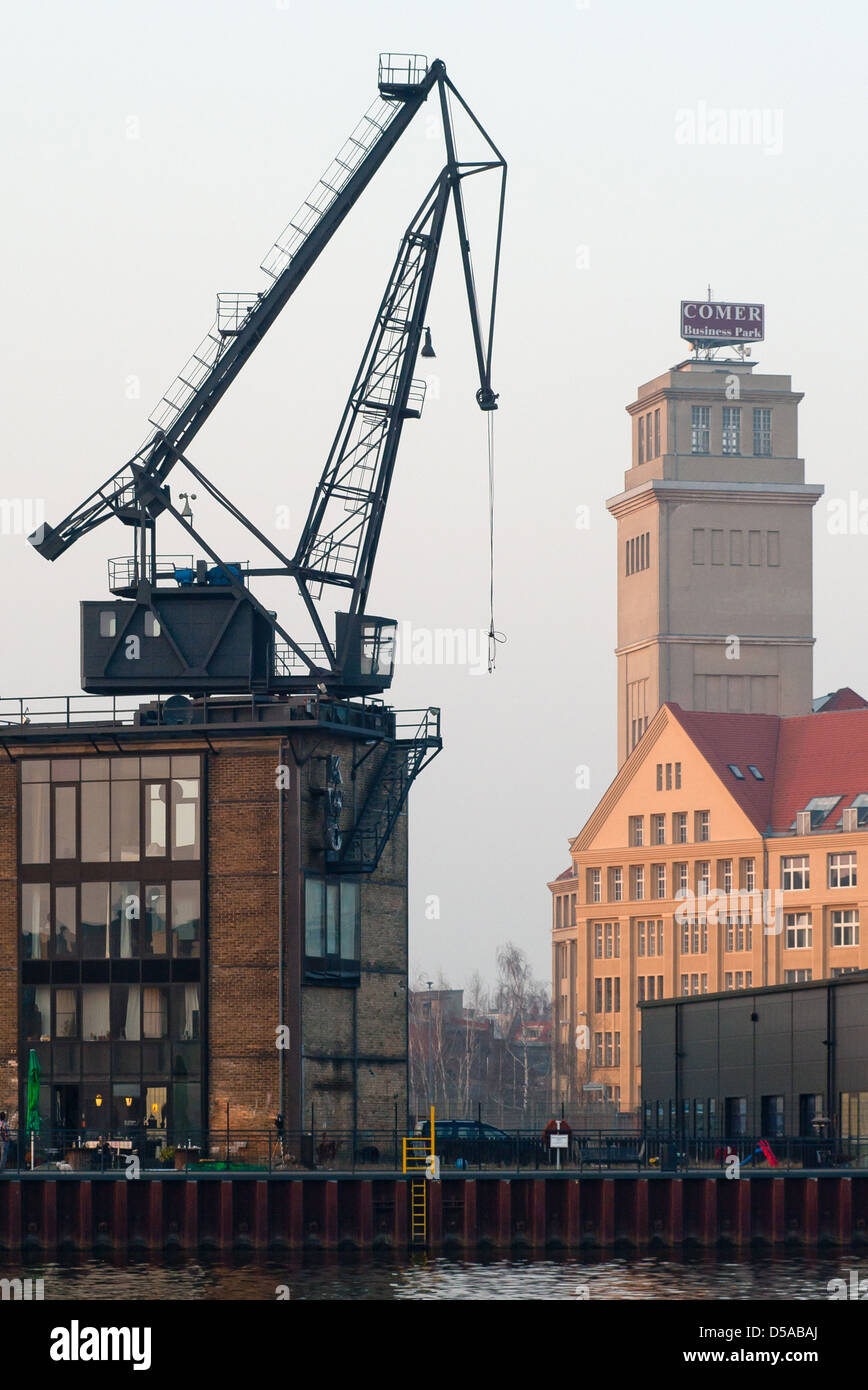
(418, 725)
(287, 661)
(349, 1151)
(235, 1150)
(402, 69)
(67, 711)
(124, 571)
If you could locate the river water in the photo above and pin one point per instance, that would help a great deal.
(348, 1277)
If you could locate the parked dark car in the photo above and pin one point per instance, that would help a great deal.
(474, 1144)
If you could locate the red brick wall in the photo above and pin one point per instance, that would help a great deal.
(242, 932)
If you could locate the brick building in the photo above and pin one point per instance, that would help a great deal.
(207, 914)
(729, 853)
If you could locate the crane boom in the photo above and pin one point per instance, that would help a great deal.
(186, 626)
(234, 336)
(339, 540)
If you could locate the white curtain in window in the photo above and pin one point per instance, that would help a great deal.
(154, 1012)
(35, 813)
(64, 1004)
(132, 1023)
(191, 1006)
(95, 1012)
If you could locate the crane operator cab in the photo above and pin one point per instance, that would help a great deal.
(368, 648)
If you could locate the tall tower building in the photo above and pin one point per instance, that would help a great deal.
(714, 549)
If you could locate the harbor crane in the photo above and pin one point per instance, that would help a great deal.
(193, 625)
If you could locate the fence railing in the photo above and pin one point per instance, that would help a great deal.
(473, 1150)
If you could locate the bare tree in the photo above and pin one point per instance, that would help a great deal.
(520, 999)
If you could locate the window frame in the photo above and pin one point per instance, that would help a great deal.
(333, 966)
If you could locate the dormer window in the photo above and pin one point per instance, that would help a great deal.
(819, 807)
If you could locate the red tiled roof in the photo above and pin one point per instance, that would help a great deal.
(741, 739)
(820, 755)
(567, 873)
(845, 698)
(823, 754)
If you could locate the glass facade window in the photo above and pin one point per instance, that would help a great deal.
(186, 919)
(156, 820)
(127, 808)
(185, 818)
(35, 823)
(36, 1014)
(65, 938)
(65, 828)
(332, 929)
(95, 1013)
(111, 942)
(35, 921)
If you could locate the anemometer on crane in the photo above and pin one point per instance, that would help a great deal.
(194, 626)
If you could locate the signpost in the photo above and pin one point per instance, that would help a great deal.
(713, 323)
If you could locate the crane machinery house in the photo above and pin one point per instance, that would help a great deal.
(203, 882)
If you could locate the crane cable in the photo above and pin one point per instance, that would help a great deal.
(494, 637)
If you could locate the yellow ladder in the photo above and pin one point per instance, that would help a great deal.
(416, 1151)
(418, 1213)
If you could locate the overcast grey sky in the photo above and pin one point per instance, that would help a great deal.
(152, 153)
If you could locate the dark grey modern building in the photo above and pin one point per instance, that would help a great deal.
(785, 1060)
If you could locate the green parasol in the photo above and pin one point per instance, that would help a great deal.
(34, 1075)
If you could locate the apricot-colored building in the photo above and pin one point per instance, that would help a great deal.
(763, 820)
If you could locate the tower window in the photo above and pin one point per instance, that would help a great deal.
(700, 429)
(641, 434)
(637, 553)
(731, 441)
(762, 433)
